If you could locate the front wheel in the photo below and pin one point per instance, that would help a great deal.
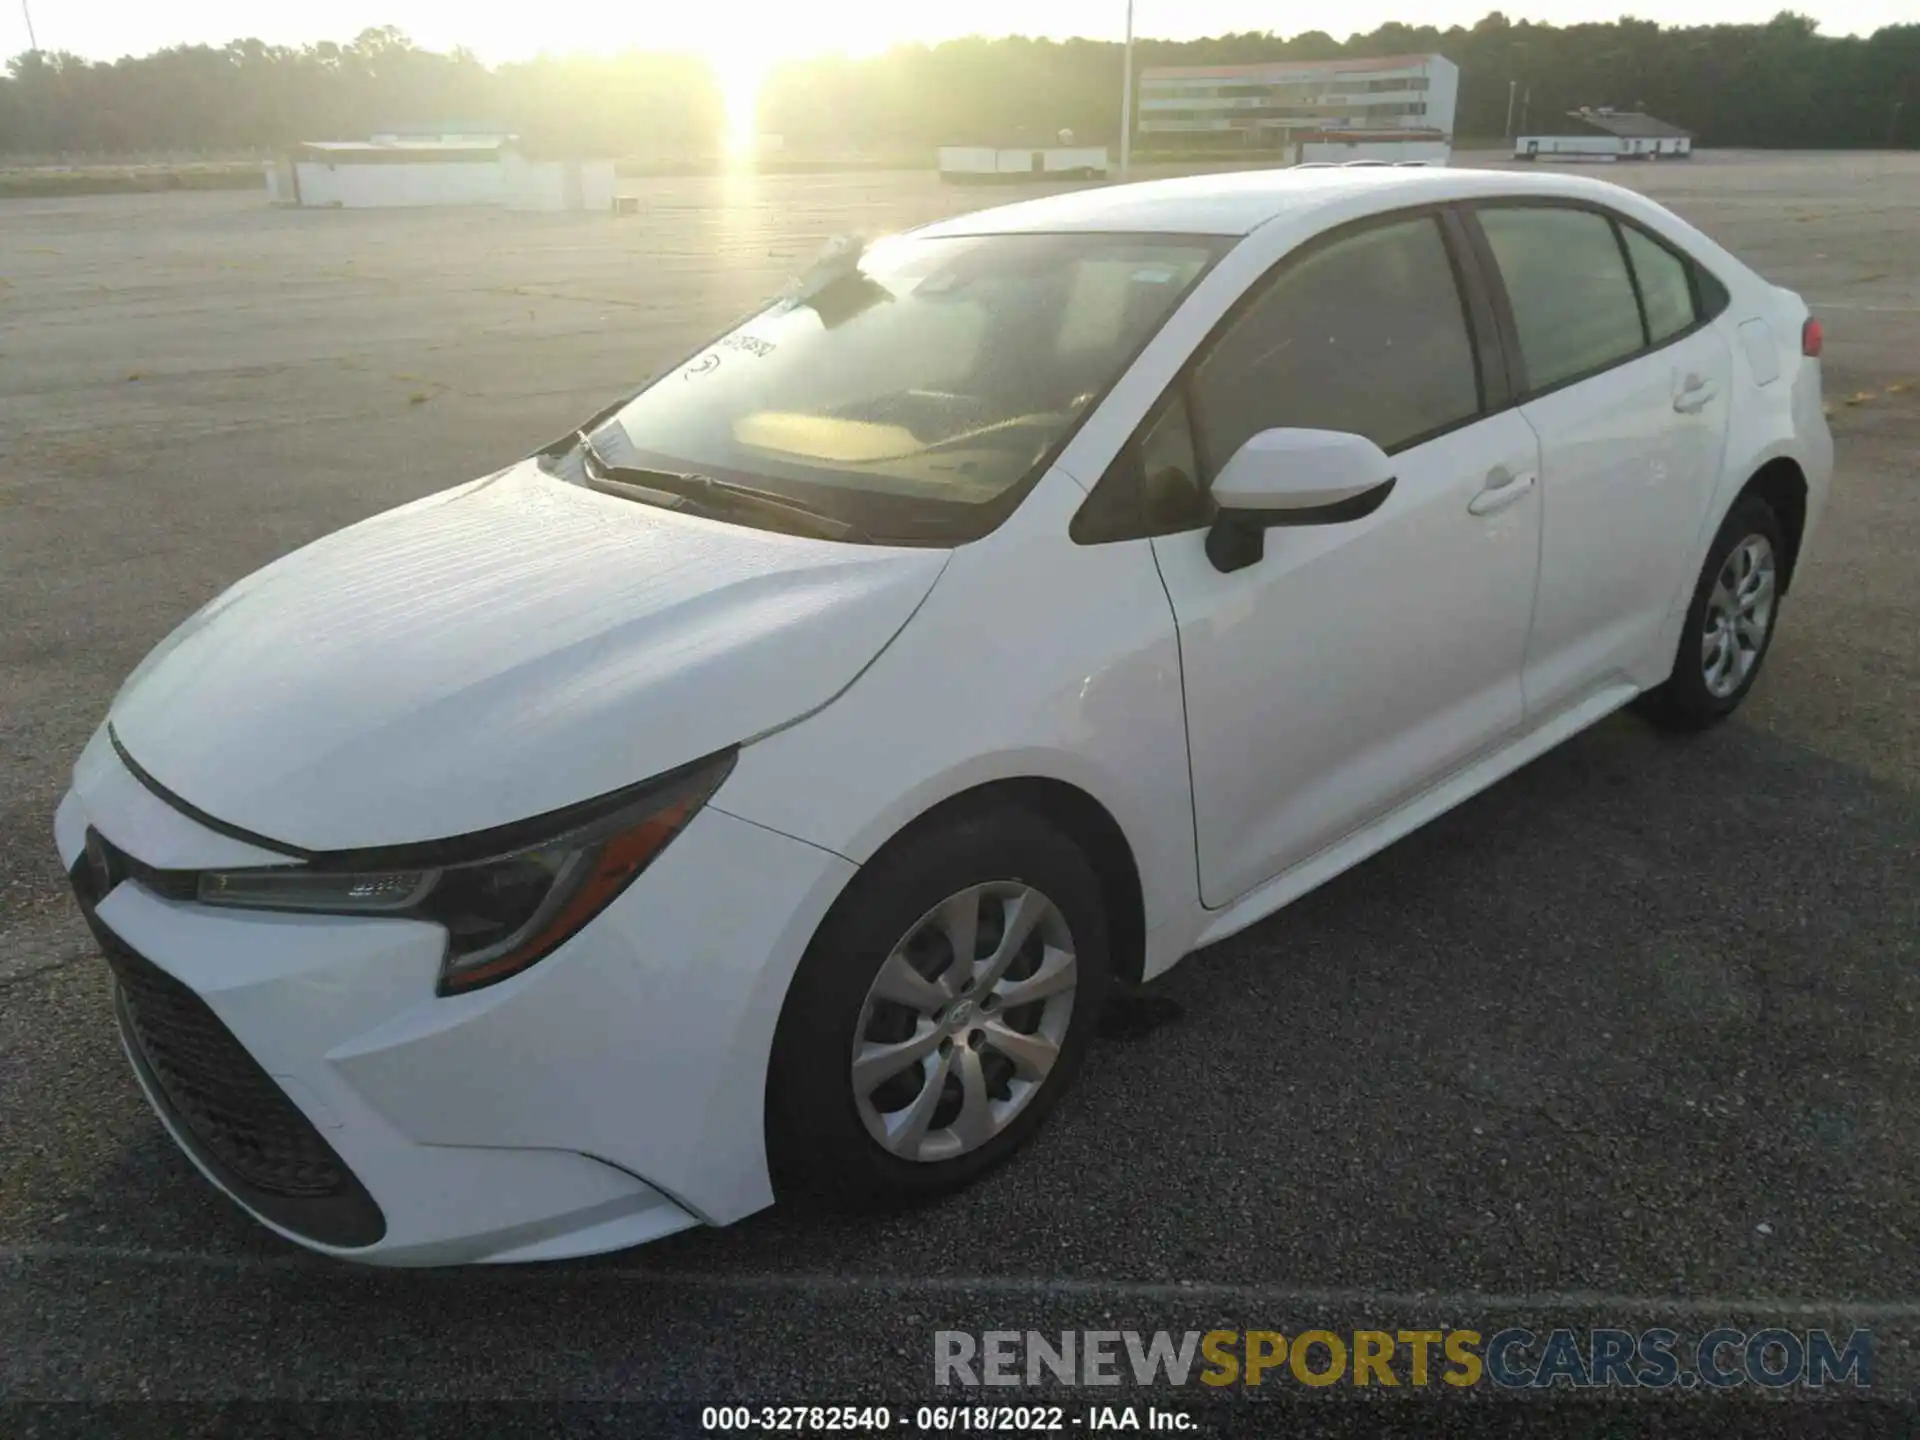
(1729, 624)
(940, 1012)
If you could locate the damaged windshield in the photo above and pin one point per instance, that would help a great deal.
(914, 390)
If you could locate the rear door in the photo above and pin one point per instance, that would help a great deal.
(1626, 386)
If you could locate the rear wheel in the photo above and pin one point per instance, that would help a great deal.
(940, 1012)
(1729, 623)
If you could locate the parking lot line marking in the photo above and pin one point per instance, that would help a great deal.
(1006, 1286)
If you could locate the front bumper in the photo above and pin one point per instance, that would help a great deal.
(611, 1094)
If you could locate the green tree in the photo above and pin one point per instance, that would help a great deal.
(1780, 83)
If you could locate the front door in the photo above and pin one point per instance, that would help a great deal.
(1356, 663)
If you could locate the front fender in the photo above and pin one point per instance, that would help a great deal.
(974, 690)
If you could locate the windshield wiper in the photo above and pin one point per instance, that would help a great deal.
(603, 474)
(708, 495)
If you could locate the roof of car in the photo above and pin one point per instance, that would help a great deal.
(1240, 201)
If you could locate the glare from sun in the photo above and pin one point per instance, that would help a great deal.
(740, 78)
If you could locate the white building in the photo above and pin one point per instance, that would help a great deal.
(1388, 103)
(1607, 135)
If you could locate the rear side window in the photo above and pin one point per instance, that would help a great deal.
(1573, 301)
(1665, 290)
(1713, 295)
(1365, 334)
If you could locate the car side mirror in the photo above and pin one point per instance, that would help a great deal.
(1293, 477)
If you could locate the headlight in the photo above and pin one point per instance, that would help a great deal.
(526, 888)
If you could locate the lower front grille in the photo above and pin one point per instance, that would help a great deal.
(221, 1105)
(215, 1087)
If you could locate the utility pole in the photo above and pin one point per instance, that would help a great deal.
(1126, 100)
(1513, 89)
(1526, 106)
(33, 44)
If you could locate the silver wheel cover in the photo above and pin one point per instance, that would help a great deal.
(1739, 613)
(964, 1021)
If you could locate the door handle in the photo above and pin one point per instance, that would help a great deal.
(1695, 394)
(1503, 487)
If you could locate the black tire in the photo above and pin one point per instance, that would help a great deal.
(1683, 702)
(818, 1146)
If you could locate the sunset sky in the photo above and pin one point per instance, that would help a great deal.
(106, 29)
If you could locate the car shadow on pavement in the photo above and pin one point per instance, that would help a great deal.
(1641, 1018)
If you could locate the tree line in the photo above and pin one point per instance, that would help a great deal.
(1777, 84)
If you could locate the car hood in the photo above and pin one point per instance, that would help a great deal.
(497, 651)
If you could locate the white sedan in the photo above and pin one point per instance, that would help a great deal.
(760, 789)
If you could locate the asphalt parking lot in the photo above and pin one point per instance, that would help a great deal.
(1634, 1038)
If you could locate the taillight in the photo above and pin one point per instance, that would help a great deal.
(1812, 338)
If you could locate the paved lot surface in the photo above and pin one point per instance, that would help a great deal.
(1631, 1039)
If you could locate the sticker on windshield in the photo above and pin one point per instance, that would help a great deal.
(1154, 274)
(752, 344)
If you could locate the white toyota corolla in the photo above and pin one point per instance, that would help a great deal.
(761, 788)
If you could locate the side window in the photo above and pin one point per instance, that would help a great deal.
(1664, 287)
(1153, 486)
(1713, 295)
(1573, 301)
(1169, 471)
(1365, 334)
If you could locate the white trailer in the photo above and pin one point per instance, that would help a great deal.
(985, 164)
(380, 174)
(1389, 152)
(556, 184)
(367, 175)
(1603, 149)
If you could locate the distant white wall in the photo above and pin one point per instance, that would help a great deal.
(386, 185)
(597, 184)
(1074, 159)
(442, 137)
(968, 160)
(1436, 152)
(556, 184)
(975, 162)
(1443, 93)
(279, 182)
